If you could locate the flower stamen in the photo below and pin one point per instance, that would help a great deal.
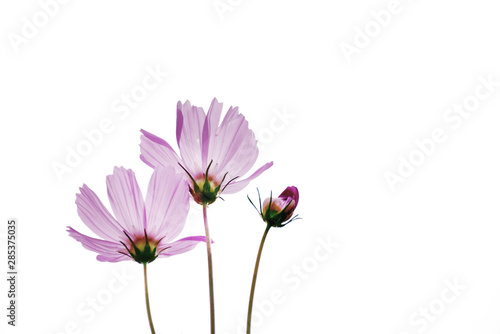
(234, 178)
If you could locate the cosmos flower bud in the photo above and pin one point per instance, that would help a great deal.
(278, 212)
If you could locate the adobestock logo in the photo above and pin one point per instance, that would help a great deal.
(278, 123)
(428, 314)
(379, 20)
(88, 310)
(223, 6)
(293, 279)
(121, 107)
(453, 119)
(31, 27)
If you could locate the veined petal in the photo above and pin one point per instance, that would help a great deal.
(224, 139)
(180, 246)
(234, 147)
(95, 215)
(209, 128)
(234, 187)
(190, 137)
(167, 204)
(126, 200)
(244, 157)
(112, 258)
(108, 251)
(157, 152)
(180, 121)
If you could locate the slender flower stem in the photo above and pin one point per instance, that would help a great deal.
(250, 302)
(210, 271)
(147, 300)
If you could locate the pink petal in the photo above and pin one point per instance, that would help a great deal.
(95, 215)
(209, 128)
(234, 187)
(108, 251)
(157, 152)
(167, 203)
(205, 141)
(112, 258)
(224, 138)
(190, 137)
(290, 193)
(180, 246)
(180, 121)
(126, 200)
(234, 149)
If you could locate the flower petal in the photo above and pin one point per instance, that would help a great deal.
(189, 139)
(167, 203)
(108, 251)
(95, 215)
(180, 246)
(157, 152)
(291, 192)
(209, 128)
(180, 121)
(126, 200)
(234, 187)
(234, 149)
(112, 258)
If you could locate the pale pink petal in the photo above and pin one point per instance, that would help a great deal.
(205, 141)
(113, 258)
(95, 215)
(108, 251)
(236, 186)
(223, 138)
(167, 203)
(180, 121)
(209, 128)
(180, 246)
(244, 158)
(234, 149)
(126, 200)
(157, 152)
(190, 137)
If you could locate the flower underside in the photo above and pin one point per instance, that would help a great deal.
(142, 249)
(205, 190)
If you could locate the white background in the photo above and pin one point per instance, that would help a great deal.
(348, 122)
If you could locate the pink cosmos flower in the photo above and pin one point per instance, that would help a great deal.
(142, 230)
(213, 156)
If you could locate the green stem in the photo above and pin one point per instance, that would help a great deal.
(254, 281)
(210, 271)
(147, 300)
